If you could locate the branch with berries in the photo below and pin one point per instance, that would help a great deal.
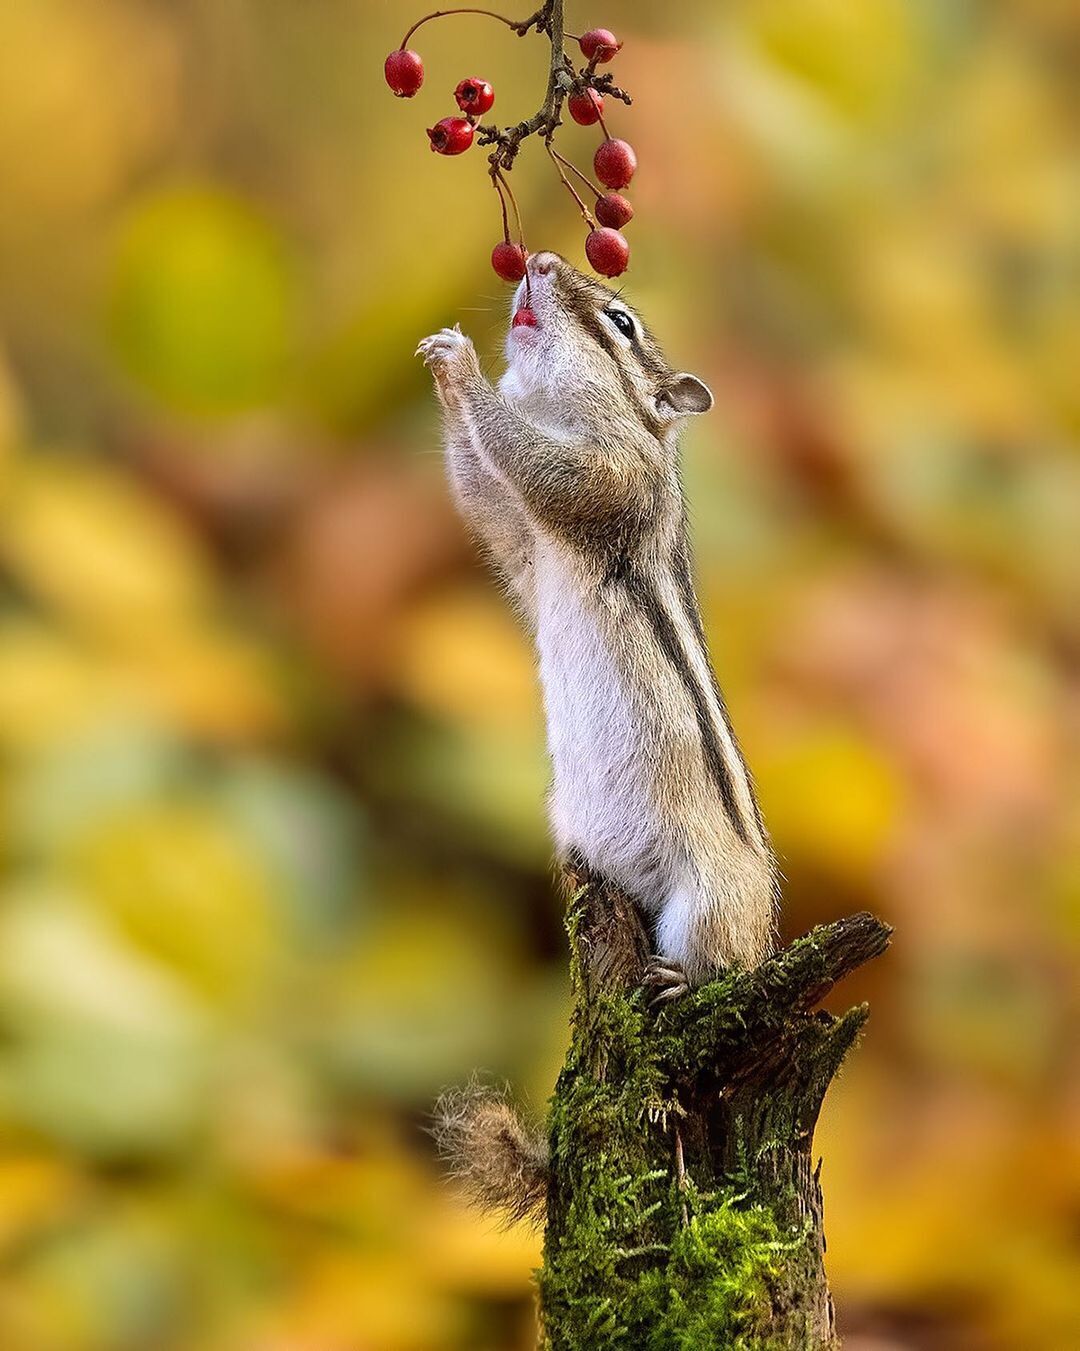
(582, 89)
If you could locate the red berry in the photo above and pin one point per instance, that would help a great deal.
(451, 136)
(607, 251)
(614, 211)
(474, 96)
(508, 260)
(404, 73)
(599, 44)
(615, 163)
(525, 318)
(585, 107)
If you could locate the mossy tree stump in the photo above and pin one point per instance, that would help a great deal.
(684, 1212)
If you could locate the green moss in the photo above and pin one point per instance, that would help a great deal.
(711, 1288)
(715, 1289)
(625, 1269)
(638, 1259)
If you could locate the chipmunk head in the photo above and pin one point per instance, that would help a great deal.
(589, 349)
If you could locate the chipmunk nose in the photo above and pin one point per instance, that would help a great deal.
(543, 263)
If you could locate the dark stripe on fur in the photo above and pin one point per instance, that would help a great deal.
(584, 310)
(667, 636)
(647, 357)
(596, 329)
(680, 566)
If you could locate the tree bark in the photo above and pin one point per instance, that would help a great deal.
(684, 1210)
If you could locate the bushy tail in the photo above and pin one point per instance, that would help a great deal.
(502, 1165)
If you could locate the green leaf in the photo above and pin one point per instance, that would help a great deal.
(201, 303)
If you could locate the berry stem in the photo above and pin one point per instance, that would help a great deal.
(519, 26)
(558, 162)
(502, 204)
(575, 170)
(503, 185)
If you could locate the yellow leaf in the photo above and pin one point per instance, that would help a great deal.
(463, 657)
(10, 420)
(50, 689)
(825, 45)
(831, 798)
(464, 1251)
(208, 681)
(201, 300)
(358, 1301)
(184, 889)
(86, 92)
(34, 1191)
(103, 552)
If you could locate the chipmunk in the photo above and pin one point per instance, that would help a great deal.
(568, 472)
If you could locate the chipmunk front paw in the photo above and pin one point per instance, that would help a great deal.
(451, 358)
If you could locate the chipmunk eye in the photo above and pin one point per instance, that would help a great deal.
(622, 322)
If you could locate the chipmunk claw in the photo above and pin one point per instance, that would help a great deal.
(667, 977)
(443, 344)
(451, 358)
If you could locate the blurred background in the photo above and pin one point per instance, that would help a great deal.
(273, 859)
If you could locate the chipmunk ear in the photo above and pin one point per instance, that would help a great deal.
(681, 394)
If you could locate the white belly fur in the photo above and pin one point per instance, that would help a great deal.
(710, 894)
(598, 802)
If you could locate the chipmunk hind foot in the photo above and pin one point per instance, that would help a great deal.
(700, 934)
(665, 978)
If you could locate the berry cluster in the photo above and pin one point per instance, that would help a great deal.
(583, 90)
(452, 135)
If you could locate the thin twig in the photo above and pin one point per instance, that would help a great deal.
(507, 141)
(519, 26)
